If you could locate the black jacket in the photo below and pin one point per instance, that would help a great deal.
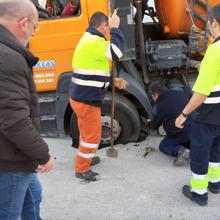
(168, 107)
(21, 148)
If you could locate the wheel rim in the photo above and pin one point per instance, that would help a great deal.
(106, 129)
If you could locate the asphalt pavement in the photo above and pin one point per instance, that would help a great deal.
(131, 187)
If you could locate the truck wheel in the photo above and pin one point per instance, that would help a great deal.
(126, 124)
(74, 131)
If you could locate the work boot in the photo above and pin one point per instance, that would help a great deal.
(214, 187)
(88, 175)
(95, 160)
(182, 157)
(201, 200)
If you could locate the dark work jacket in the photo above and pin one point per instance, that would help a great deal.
(168, 107)
(21, 148)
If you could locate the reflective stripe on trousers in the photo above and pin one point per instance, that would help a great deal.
(199, 183)
(205, 156)
(89, 123)
(214, 172)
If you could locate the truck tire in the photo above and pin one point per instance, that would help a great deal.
(74, 131)
(127, 123)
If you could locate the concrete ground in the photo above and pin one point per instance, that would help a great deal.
(131, 188)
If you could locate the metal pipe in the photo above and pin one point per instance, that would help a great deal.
(139, 17)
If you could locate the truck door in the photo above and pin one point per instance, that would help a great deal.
(54, 44)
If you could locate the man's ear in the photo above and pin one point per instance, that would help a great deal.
(23, 24)
(214, 24)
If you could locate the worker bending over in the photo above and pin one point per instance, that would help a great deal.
(168, 105)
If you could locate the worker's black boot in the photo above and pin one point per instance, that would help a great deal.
(88, 176)
(201, 200)
(214, 187)
(95, 161)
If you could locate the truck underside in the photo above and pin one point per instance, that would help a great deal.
(149, 54)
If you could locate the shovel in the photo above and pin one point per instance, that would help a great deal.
(111, 151)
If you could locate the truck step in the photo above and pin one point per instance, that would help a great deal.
(46, 99)
(48, 120)
(48, 117)
(48, 126)
(49, 134)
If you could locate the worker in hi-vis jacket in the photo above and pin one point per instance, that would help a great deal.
(90, 79)
(205, 140)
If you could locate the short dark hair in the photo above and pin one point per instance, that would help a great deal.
(97, 19)
(215, 13)
(157, 87)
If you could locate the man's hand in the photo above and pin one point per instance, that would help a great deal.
(45, 168)
(114, 20)
(196, 100)
(120, 83)
(180, 121)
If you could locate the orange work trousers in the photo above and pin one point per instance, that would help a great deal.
(89, 124)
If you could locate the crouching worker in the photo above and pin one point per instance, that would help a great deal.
(168, 105)
(90, 79)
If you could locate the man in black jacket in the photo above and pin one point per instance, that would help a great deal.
(22, 151)
(168, 105)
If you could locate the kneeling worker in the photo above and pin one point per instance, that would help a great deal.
(168, 105)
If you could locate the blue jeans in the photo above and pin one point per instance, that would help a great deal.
(171, 146)
(20, 196)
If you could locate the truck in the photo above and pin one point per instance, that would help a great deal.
(168, 48)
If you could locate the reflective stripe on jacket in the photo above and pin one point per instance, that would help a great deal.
(208, 83)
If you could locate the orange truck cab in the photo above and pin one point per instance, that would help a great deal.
(165, 49)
